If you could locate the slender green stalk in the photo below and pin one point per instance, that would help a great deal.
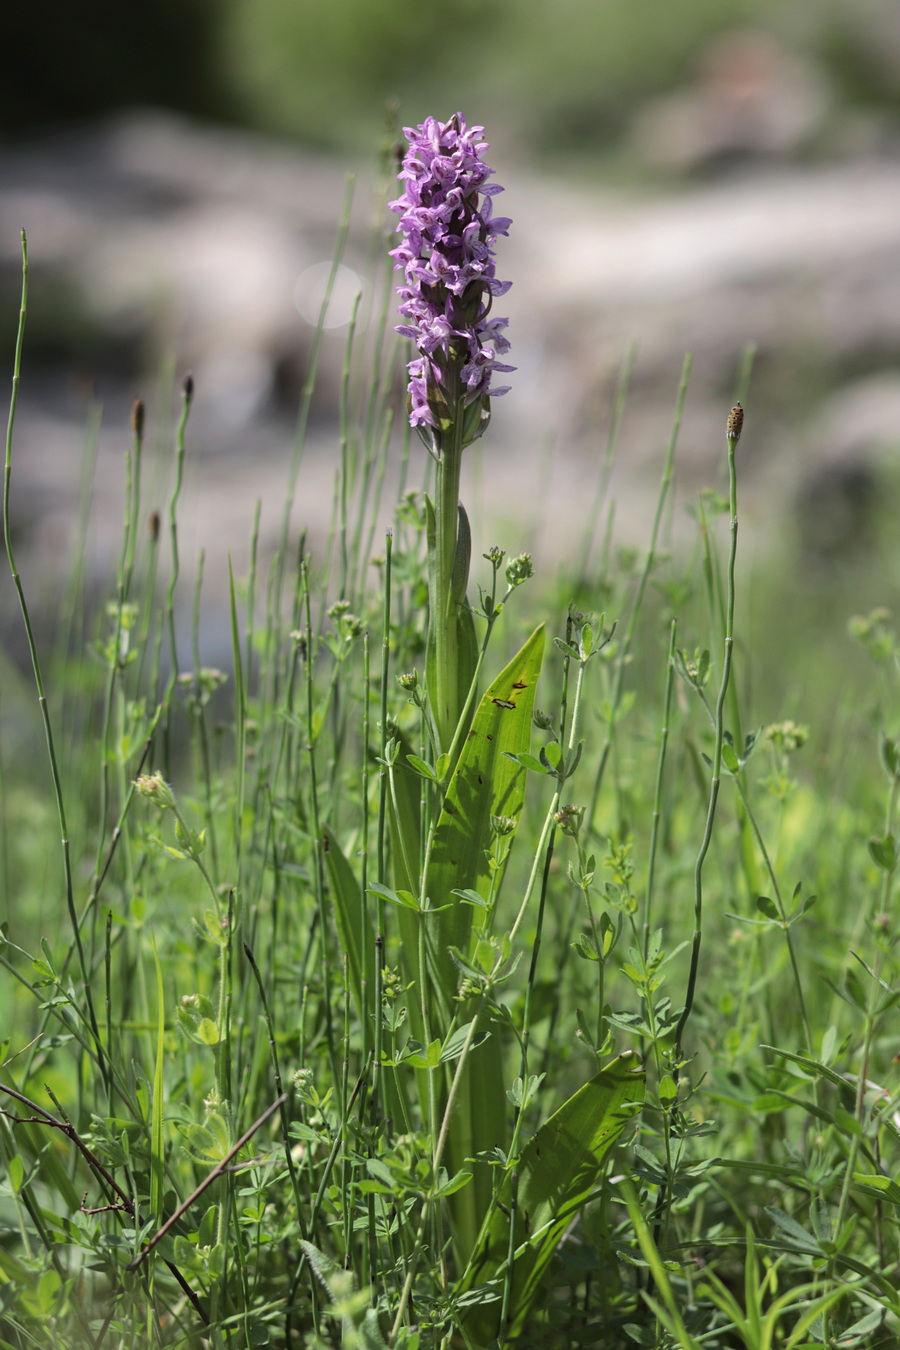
(118, 646)
(251, 595)
(366, 955)
(71, 611)
(187, 394)
(788, 936)
(240, 728)
(370, 1253)
(444, 608)
(309, 387)
(381, 857)
(657, 798)
(198, 714)
(649, 562)
(525, 1033)
(346, 479)
(612, 444)
(38, 678)
(437, 1155)
(715, 778)
(876, 1005)
(324, 928)
(364, 553)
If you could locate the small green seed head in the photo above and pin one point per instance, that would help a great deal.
(155, 788)
(787, 735)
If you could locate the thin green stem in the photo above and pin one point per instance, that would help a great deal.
(187, 394)
(657, 797)
(309, 388)
(715, 778)
(346, 481)
(324, 931)
(795, 967)
(444, 674)
(649, 562)
(36, 670)
(609, 456)
(377, 1091)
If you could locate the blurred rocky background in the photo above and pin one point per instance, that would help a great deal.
(681, 179)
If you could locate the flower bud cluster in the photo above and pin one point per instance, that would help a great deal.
(519, 569)
(155, 788)
(447, 259)
(568, 818)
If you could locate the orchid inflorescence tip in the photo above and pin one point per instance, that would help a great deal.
(447, 259)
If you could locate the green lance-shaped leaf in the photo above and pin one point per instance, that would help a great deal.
(404, 818)
(559, 1169)
(467, 642)
(356, 933)
(484, 783)
(448, 688)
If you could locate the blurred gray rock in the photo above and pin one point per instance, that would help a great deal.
(153, 240)
(176, 240)
(752, 99)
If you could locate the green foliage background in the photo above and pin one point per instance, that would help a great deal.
(565, 76)
(554, 78)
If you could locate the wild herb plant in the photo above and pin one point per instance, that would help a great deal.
(395, 1009)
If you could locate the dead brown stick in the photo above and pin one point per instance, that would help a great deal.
(207, 1181)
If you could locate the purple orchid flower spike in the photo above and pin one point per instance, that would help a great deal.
(447, 258)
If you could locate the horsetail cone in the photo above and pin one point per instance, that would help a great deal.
(735, 423)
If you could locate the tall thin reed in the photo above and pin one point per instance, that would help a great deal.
(38, 678)
(735, 426)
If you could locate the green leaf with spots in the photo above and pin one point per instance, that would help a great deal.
(559, 1169)
(484, 783)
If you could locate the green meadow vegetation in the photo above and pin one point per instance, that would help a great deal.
(482, 958)
(563, 83)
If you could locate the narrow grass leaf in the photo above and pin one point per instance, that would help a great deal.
(356, 933)
(882, 1188)
(813, 1065)
(157, 1158)
(797, 1236)
(454, 1045)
